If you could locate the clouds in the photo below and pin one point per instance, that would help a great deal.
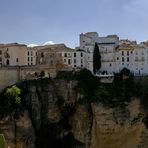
(62, 21)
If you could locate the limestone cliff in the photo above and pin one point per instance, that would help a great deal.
(54, 117)
(19, 133)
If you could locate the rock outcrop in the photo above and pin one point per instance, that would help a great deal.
(18, 133)
(70, 124)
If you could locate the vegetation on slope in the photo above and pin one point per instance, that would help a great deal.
(10, 101)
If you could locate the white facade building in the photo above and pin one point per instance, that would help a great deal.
(115, 54)
(107, 46)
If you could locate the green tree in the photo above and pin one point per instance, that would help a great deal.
(11, 102)
(12, 94)
(96, 59)
(125, 71)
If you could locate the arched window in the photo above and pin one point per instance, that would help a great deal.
(0, 52)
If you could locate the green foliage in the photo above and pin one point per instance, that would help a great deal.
(96, 59)
(126, 72)
(10, 100)
(12, 94)
(66, 75)
(87, 84)
(117, 93)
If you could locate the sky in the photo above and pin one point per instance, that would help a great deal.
(61, 21)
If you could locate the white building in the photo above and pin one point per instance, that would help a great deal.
(115, 54)
(107, 46)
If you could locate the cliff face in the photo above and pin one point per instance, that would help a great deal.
(54, 118)
(19, 133)
(119, 127)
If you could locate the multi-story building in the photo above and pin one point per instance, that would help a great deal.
(57, 55)
(13, 54)
(31, 55)
(115, 54)
(107, 46)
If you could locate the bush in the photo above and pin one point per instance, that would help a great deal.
(10, 101)
(66, 75)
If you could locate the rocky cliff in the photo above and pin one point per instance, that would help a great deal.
(54, 117)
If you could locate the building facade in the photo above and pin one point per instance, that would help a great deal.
(115, 55)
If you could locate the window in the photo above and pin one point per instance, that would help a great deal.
(81, 60)
(131, 52)
(75, 54)
(0, 59)
(7, 49)
(117, 58)
(127, 59)
(16, 59)
(42, 54)
(31, 58)
(64, 60)
(122, 52)
(128, 53)
(51, 62)
(110, 65)
(74, 65)
(36, 54)
(74, 60)
(122, 59)
(0, 52)
(81, 65)
(31, 53)
(28, 58)
(81, 54)
(31, 63)
(28, 53)
(28, 63)
(7, 62)
(65, 55)
(69, 61)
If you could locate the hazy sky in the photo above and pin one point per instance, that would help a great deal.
(61, 21)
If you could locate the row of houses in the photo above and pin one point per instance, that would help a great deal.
(115, 55)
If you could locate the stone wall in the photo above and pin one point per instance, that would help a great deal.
(12, 75)
(8, 76)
